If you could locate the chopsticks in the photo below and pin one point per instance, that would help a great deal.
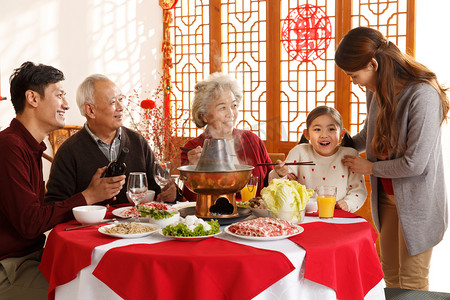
(300, 163)
(87, 225)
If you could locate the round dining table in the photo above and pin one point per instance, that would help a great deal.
(331, 259)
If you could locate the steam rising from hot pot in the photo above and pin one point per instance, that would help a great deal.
(215, 180)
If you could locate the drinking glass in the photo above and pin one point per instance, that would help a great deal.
(179, 182)
(162, 173)
(137, 188)
(249, 190)
(326, 200)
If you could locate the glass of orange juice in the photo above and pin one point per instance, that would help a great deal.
(249, 190)
(326, 200)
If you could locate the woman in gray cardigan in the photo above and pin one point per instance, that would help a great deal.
(406, 106)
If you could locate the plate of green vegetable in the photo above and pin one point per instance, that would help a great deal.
(189, 238)
(191, 228)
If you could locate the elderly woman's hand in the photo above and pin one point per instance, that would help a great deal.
(194, 155)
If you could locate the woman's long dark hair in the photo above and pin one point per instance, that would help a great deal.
(347, 140)
(358, 47)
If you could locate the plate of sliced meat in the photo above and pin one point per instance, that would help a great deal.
(263, 229)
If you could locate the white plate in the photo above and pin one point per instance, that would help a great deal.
(180, 205)
(189, 238)
(128, 236)
(163, 222)
(120, 212)
(263, 238)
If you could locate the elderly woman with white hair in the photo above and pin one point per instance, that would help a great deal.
(215, 108)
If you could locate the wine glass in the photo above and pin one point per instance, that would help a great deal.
(137, 188)
(162, 173)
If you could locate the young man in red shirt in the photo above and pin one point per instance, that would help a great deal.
(39, 101)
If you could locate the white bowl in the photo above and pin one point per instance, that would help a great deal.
(164, 222)
(89, 214)
(311, 207)
(149, 196)
(261, 212)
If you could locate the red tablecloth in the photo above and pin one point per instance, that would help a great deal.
(208, 269)
(341, 256)
(64, 257)
(338, 213)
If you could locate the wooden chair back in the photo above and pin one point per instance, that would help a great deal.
(58, 136)
(277, 156)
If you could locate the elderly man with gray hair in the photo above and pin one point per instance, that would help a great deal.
(99, 142)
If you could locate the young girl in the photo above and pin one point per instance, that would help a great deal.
(324, 131)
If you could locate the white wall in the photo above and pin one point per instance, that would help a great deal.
(432, 49)
(122, 39)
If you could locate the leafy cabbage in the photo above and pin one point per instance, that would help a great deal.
(284, 196)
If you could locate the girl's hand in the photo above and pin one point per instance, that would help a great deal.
(357, 164)
(194, 155)
(281, 169)
(342, 205)
(291, 176)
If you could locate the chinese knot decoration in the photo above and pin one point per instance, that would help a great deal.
(306, 33)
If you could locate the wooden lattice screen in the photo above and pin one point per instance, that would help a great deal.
(245, 39)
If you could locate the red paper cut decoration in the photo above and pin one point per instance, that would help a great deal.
(306, 33)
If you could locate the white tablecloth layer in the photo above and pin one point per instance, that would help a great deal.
(293, 286)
